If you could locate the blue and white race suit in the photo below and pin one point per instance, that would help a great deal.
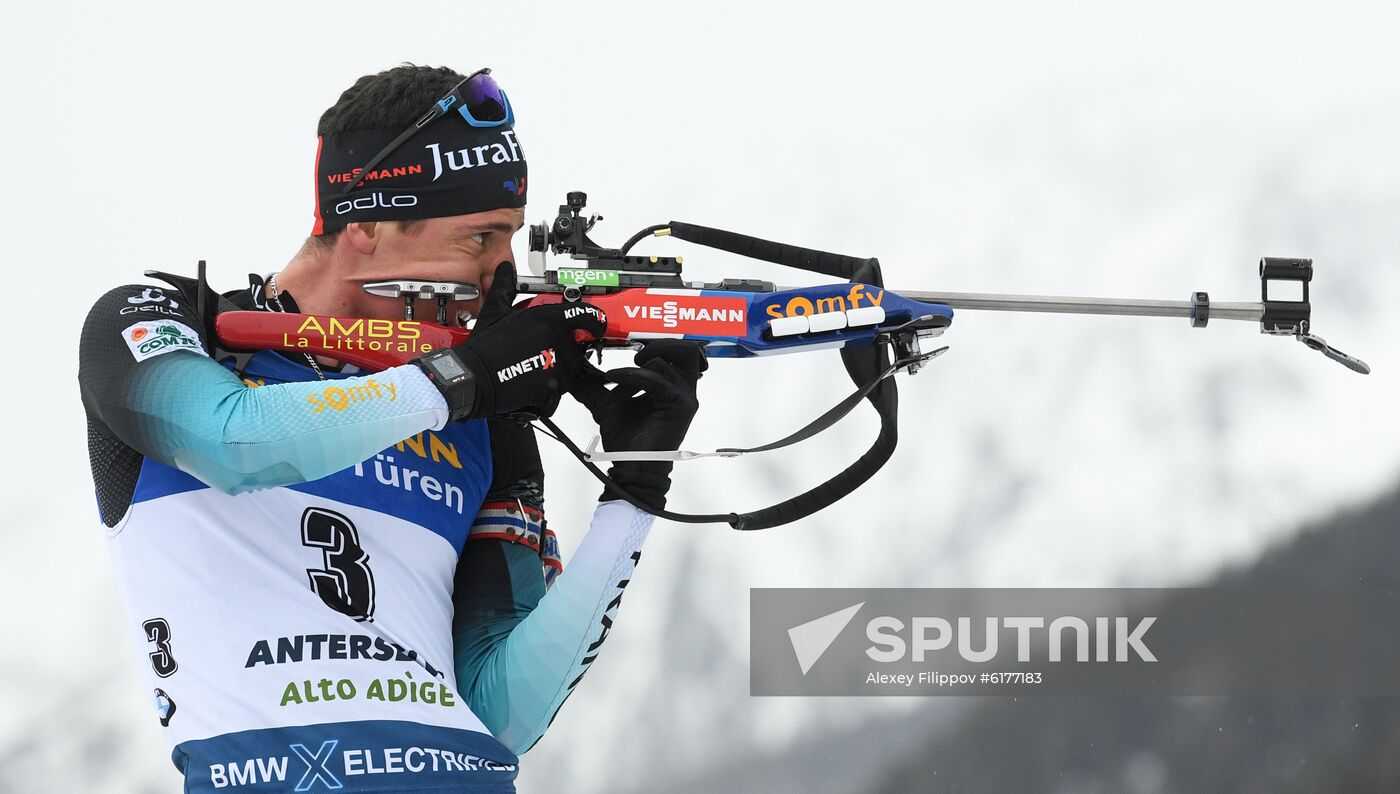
(295, 562)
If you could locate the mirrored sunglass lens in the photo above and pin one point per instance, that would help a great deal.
(482, 98)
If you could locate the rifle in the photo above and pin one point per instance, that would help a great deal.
(879, 332)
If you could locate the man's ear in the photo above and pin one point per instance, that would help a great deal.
(363, 236)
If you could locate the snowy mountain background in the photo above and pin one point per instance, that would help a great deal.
(1103, 149)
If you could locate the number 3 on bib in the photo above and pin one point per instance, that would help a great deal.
(346, 583)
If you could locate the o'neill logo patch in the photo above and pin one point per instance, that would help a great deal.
(158, 337)
(151, 301)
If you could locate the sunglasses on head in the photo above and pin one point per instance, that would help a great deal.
(477, 98)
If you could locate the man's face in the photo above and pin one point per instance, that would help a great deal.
(464, 248)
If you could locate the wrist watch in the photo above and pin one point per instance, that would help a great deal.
(452, 377)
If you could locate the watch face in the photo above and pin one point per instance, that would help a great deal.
(447, 367)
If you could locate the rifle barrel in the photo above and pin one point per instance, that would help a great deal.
(984, 301)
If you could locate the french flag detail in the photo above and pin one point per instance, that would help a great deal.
(513, 522)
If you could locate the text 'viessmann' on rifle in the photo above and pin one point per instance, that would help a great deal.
(878, 332)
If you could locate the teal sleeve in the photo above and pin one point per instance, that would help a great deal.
(519, 650)
(150, 384)
(191, 413)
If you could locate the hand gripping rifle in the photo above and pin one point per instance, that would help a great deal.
(879, 332)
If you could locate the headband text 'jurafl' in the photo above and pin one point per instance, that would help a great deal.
(448, 168)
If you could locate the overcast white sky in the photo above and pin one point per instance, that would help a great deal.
(1141, 150)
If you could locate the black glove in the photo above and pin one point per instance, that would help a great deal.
(516, 471)
(514, 361)
(650, 408)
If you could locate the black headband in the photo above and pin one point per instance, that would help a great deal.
(448, 168)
